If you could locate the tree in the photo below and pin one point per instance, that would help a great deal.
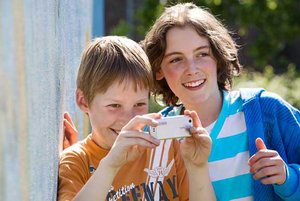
(268, 31)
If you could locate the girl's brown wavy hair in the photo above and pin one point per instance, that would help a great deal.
(223, 47)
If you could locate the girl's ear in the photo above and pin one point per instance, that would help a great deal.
(81, 101)
(159, 75)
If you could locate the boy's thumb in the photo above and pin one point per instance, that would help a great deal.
(260, 144)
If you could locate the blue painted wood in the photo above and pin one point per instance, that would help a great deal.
(40, 47)
(98, 18)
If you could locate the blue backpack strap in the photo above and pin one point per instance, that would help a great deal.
(166, 111)
(255, 128)
(250, 93)
(253, 115)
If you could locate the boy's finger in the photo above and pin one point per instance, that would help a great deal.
(139, 136)
(260, 145)
(139, 122)
(153, 115)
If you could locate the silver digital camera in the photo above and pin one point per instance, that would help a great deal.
(172, 127)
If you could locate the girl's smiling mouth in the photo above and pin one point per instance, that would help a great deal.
(194, 84)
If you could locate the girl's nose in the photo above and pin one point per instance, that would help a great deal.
(191, 67)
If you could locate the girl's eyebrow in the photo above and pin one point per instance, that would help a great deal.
(202, 47)
(198, 48)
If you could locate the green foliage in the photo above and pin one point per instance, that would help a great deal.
(286, 85)
(266, 27)
(122, 29)
(146, 16)
(154, 106)
(263, 29)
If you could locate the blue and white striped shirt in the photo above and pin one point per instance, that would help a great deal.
(228, 162)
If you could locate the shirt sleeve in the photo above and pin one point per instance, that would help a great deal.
(289, 190)
(287, 125)
(72, 176)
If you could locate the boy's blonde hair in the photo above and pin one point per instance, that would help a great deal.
(109, 59)
(223, 47)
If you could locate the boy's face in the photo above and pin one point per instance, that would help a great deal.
(189, 67)
(110, 111)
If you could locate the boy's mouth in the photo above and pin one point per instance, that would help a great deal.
(194, 84)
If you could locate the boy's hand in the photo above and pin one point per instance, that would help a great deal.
(132, 140)
(267, 165)
(196, 149)
(70, 132)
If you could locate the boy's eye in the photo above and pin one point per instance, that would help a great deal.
(140, 104)
(114, 105)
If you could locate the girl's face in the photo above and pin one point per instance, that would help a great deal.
(189, 67)
(110, 111)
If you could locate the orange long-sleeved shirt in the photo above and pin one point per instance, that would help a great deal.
(158, 174)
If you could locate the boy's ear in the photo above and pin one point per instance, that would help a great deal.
(81, 101)
(159, 75)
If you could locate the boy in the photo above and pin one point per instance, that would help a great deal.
(118, 160)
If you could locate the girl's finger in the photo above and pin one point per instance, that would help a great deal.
(264, 153)
(194, 116)
(263, 162)
(274, 179)
(66, 143)
(69, 126)
(70, 133)
(68, 117)
(266, 172)
(260, 145)
(198, 130)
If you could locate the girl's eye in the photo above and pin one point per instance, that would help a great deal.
(175, 60)
(203, 54)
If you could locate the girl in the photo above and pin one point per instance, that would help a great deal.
(255, 134)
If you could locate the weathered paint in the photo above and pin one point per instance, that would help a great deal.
(40, 47)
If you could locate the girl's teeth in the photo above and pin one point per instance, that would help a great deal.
(194, 84)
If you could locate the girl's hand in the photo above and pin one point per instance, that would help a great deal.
(267, 165)
(70, 132)
(196, 149)
(132, 140)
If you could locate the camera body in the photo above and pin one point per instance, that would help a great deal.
(172, 127)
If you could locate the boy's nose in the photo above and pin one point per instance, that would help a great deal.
(126, 116)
